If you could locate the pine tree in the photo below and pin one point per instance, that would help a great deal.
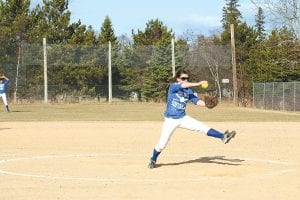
(181, 53)
(13, 31)
(51, 20)
(155, 83)
(90, 36)
(13, 25)
(259, 24)
(77, 33)
(155, 33)
(107, 33)
(156, 42)
(231, 15)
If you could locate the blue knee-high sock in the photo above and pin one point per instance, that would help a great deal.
(214, 133)
(155, 155)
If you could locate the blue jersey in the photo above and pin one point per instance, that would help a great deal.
(177, 99)
(3, 86)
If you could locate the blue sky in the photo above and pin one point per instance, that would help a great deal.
(196, 16)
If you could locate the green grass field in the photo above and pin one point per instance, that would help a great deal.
(135, 112)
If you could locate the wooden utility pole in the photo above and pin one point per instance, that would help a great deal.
(234, 76)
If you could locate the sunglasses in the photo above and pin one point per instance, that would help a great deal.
(184, 78)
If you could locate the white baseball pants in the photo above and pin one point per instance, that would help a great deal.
(170, 125)
(4, 98)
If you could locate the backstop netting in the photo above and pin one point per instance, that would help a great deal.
(139, 73)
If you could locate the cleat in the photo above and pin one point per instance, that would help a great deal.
(7, 109)
(151, 164)
(228, 136)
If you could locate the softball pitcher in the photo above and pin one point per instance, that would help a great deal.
(179, 93)
(3, 82)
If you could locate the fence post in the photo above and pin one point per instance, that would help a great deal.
(109, 74)
(264, 94)
(283, 96)
(173, 56)
(273, 91)
(294, 96)
(253, 95)
(45, 71)
(18, 67)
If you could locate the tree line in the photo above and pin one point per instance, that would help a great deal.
(78, 54)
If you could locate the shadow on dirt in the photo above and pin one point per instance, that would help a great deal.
(221, 160)
(4, 129)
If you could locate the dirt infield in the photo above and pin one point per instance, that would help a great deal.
(108, 160)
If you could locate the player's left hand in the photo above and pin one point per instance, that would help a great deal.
(211, 101)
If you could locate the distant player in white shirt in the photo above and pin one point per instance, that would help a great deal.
(3, 82)
(179, 94)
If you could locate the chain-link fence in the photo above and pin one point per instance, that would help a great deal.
(139, 73)
(277, 96)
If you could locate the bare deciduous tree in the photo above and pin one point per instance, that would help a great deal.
(215, 58)
(283, 12)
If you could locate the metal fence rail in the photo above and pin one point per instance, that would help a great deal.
(283, 96)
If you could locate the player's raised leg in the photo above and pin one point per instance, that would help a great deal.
(195, 125)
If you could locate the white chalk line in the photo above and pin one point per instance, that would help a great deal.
(112, 180)
(118, 180)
